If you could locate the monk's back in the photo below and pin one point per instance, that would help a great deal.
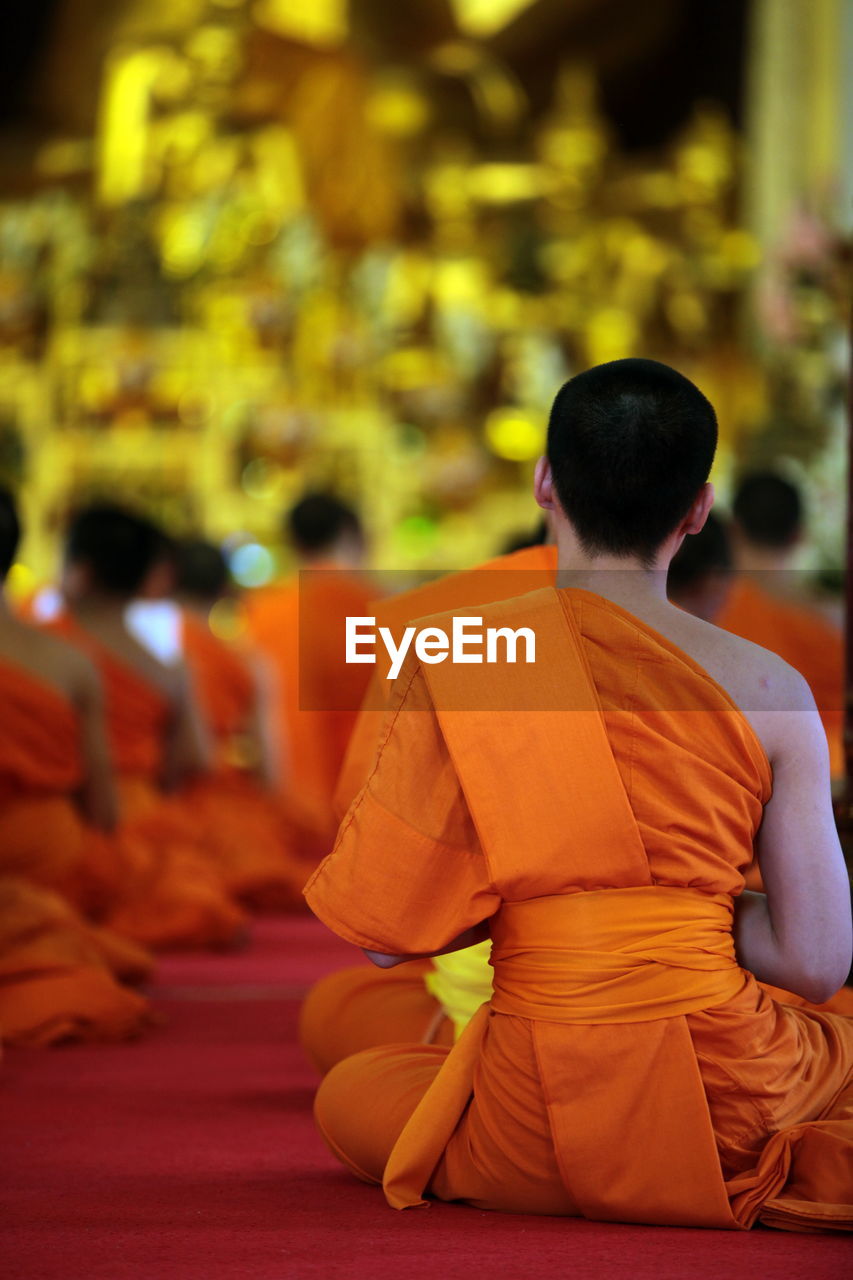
(137, 708)
(694, 771)
(697, 777)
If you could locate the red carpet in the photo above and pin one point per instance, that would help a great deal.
(191, 1155)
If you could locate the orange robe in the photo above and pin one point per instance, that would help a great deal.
(805, 639)
(250, 838)
(363, 1006)
(159, 887)
(58, 973)
(626, 1067)
(300, 627)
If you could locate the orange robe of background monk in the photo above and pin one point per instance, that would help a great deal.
(174, 896)
(691, 1098)
(251, 838)
(300, 627)
(58, 972)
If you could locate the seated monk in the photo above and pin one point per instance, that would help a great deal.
(764, 606)
(58, 973)
(426, 1000)
(592, 811)
(170, 894)
(298, 626)
(432, 1001)
(251, 837)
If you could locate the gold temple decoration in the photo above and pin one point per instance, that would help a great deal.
(289, 271)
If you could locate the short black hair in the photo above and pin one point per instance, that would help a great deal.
(118, 546)
(10, 532)
(630, 445)
(202, 570)
(768, 509)
(700, 554)
(318, 520)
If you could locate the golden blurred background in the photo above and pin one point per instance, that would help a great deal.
(252, 246)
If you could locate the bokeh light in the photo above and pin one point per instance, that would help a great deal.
(515, 436)
(262, 246)
(252, 565)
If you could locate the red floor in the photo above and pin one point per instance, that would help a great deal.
(191, 1155)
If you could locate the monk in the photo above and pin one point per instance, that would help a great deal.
(591, 810)
(299, 626)
(58, 973)
(250, 834)
(763, 606)
(433, 1000)
(169, 894)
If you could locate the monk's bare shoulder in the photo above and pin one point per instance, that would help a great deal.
(768, 690)
(54, 660)
(76, 669)
(754, 677)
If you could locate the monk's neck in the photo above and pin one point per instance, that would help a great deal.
(98, 611)
(624, 580)
(336, 562)
(761, 560)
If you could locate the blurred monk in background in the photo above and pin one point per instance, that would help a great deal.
(700, 578)
(252, 838)
(593, 812)
(765, 606)
(300, 626)
(173, 896)
(58, 972)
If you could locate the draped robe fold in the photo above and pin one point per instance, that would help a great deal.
(155, 882)
(626, 1067)
(357, 1007)
(58, 971)
(510, 575)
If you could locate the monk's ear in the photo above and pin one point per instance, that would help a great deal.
(694, 521)
(543, 485)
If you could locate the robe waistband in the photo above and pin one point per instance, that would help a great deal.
(615, 955)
